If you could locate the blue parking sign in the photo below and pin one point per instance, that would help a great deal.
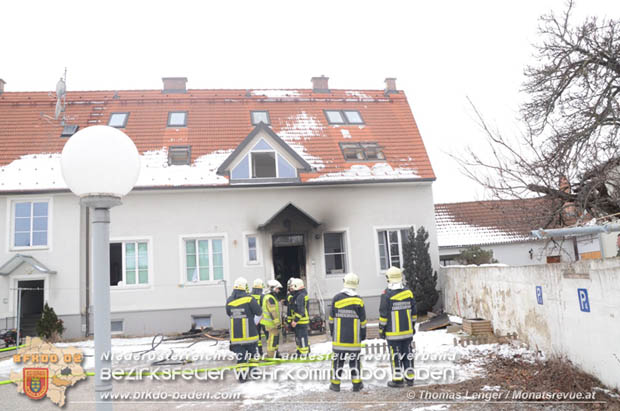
(584, 302)
(539, 297)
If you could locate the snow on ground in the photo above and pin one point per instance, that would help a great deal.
(437, 362)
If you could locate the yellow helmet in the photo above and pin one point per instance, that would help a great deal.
(351, 281)
(258, 283)
(394, 275)
(240, 284)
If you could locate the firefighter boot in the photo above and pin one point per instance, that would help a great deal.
(396, 384)
(357, 386)
(334, 387)
(409, 382)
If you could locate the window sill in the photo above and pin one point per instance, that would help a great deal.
(202, 283)
(38, 247)
(129, 287)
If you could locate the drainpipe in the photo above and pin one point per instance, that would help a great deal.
(87, 309)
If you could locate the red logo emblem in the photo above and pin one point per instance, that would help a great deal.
(35, 382)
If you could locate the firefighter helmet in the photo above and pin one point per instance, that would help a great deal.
(274, 285)
(351, 281)
(240, 284)
(394, 275)
(258, 283)
(289, 283)
(297, 284)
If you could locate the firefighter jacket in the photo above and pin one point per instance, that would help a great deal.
(300, 307)
(289, 307)
(347, 322)
(257, 293)
(271, 311)
(242, 308)
(397, 314)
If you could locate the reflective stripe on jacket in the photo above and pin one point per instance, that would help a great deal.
(300, 308)
(397, 314)
(271, 311)
(242, 308)
(347, 322)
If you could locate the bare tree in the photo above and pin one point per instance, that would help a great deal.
(569, 152)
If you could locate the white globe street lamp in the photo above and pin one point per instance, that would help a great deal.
(101, 164)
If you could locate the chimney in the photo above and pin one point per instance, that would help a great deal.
(174, 84)
(390, 85)
(2, 83)
(319, 84)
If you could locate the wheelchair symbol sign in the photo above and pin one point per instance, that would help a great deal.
(539, 296)
(584, 302)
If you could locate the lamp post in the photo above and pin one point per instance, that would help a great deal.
(100, 164)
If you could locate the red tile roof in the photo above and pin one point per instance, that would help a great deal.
(491, 222)
(218, 120)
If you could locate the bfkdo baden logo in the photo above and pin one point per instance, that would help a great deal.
(48, 371)
(35, 382)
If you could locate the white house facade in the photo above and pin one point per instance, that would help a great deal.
(254, 183)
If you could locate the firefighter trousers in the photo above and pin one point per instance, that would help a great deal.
(301, 339)
(401, 356)
(339, 360)
(243, 352)
(273, 341)
(261, 331)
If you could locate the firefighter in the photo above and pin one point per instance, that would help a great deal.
(347, 324)
(257, 293)
(397, 317)
(242, 308)
(289, 300)
(301, 317)
(271, 318)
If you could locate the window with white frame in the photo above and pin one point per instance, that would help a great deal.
(252, 248)
(335, 253)
(391, 243)
(129, 263)
(263, 162)
(204, 259)
(30, 223)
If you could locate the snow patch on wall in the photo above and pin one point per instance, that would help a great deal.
(363, 172)
(451, 232)
(275, 93)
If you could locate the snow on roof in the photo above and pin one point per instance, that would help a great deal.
(363, 172)
(488, 222)
(275, 93)
(357, 94)
(298, 128)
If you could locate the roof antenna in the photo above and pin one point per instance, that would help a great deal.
(61, 97)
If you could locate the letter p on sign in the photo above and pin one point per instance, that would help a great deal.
(584, 302)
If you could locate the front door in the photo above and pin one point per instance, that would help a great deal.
(289, 258)
(30, 308)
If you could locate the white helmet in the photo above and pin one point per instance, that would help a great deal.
(297, 284)
(258, 283)
(274, 285)
(289, 283)
(351, 281)
(394, 275)
(240, 284)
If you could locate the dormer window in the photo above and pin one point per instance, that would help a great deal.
(118, 120)
(69, 129)
(260, 117)
(179, 155)
(263, 162)
(343, 117)
(177, 119)
(362, 151)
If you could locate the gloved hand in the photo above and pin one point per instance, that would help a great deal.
(382, 333)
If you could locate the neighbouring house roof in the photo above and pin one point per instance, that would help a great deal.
(18, 259)
(489, 222)
(218, 121)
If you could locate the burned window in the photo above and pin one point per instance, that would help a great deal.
(362, 151)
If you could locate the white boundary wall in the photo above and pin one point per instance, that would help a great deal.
(508, 297)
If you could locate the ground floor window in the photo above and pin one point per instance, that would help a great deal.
(335, 253)
(129, 263)
(391, 243)
(204, 259)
